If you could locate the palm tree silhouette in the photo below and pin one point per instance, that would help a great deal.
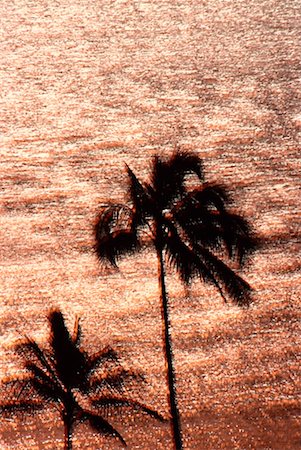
(81, 387)
(191, 228)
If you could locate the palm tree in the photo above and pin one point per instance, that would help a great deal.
(81, 387)
(192, 229)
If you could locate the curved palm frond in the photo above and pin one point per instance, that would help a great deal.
(238, 237)
(15, 387)
(187, 262)
(116, 245)
(214, 195)
(20, 406)
(114, 380)
(114, 234)
(107, 402)
(235, 286)
(203, 216)
(184, 162)
(196, 206)
(108, 354)
(197, 261)
(45, 385)
(168, 176)
(101, 425)
(199, 223)
(18, 395)
(31, 351)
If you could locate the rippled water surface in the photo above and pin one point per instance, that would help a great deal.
(89, 86)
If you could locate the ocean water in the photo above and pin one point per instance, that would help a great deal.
(87, 87)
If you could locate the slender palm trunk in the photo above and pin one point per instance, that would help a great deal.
(67, 433)
(175, 417)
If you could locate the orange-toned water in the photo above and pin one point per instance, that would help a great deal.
(88, 86)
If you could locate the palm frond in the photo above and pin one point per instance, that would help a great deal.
(108, 402)
(14, 386)
(183, 163)
(31, 351)
(200, 262)
(20, 406)
(199, 209)
(44, 385)
(139, 197)
(235, 286)
(77, 332)
(113, 380)
(187, 262)
(113, 217)
(116, 245)
(107, 354)
(101, 425)
(199, 223)
(238, 237)
(114, 235)
(168, 176)
(203, 216)
(212, 195)
(17, 391)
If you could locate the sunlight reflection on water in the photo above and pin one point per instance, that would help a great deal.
(89, 87)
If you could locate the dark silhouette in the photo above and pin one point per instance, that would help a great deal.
(190, 225)
(81, 387)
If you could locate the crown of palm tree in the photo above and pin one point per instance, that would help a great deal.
(83, 387)
(194, 226)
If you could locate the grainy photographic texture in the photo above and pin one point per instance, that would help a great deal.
(89, 86)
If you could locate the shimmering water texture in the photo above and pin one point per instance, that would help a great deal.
(89, 86)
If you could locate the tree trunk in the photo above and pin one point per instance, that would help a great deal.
(67, 433)
(175, 417)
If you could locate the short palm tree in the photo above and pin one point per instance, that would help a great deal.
(81, 387)
(192, 229)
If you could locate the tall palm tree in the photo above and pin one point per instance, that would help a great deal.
(82, 387)
(191, 228)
